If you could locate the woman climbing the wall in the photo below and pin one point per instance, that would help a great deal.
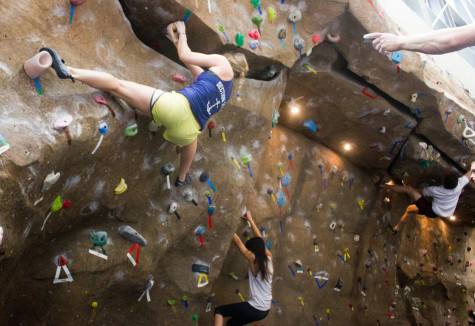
(260, 282)
(184, 113)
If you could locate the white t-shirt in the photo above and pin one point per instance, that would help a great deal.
(260, 292)
(444, 201)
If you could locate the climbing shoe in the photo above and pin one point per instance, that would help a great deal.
(58, 65)
(187, 181)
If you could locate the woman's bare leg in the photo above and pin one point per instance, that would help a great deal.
(218, 320)
(186, 158)
(136, 95)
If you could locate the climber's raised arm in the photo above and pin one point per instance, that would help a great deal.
(217, 63)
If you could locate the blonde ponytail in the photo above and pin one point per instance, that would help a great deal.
(240, 67)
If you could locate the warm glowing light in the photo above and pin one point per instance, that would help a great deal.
(294, 110)
(347, 147)
(452, 218)
(391, 183)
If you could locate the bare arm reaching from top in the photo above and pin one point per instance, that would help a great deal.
(436, 42)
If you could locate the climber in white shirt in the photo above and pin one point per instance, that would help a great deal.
(260, 282)
(444, 198)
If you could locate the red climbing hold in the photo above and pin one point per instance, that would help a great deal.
(254, 35)
(179, 78)
(62, 261)
(316, 39)
(66, 204)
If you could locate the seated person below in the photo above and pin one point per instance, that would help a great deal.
(444, 198)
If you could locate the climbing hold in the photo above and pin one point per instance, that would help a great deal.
(246, 160)
(62, 124)
(254, 34)
(271, 71)
(36, 65)
(254, 44)
(211, 126)
(334, 38)
(397, 57)
(272, 14)
(98, 239)
(257, 4)
(188, 196)
(414, 97)
(1, 235)
(172, 209)
(310, 125)
(361, 203)
(94, 305)
(382, 130)
(131, 130)
(153, 127)
(211, 210)
(282, 33)
(294, 16)
(316, 39)
(4, 146)
(133, 236)
(179, 78)
(204, 177)
(49, 181)
(332, 225)
(121, 188)
(147, 290)
(221, 29)
(257, 21)
(239, 39)
(103, 130)
(291, 156)
(299, 43)
(280, 198)
(167, 170)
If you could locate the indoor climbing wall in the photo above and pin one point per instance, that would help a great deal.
(93, 231)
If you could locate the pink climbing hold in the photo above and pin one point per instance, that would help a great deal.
(254, 35)
(77, 2)
(100, 100)
(179, 78)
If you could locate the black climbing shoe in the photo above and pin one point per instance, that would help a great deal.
(58, 65)
(187, 181)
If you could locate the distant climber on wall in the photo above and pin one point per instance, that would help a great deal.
(444, 198)
(437, 42)
(184, 113)
(260, 282)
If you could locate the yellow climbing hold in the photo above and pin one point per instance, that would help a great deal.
(121, 188)
(361, 203)
(272, 13)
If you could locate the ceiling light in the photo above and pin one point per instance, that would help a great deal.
(452, 218)
(347, 147)
(294, 110)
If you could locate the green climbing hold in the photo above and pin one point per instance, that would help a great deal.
(99, 238)
(221, 28)
(57, 204)
(256, 3)
(195, 317)
(424, 164)
(184, 298)
(239, 39)
(257, 21)
(131, 130)
(171, 302)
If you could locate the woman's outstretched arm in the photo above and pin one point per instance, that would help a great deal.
(219, 63)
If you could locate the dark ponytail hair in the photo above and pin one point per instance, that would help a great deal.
(258, 248)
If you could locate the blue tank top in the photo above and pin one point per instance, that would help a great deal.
(207, 95)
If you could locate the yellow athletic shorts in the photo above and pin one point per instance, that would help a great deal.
(172, 110)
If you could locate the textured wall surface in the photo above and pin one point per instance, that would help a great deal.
(425, 268)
